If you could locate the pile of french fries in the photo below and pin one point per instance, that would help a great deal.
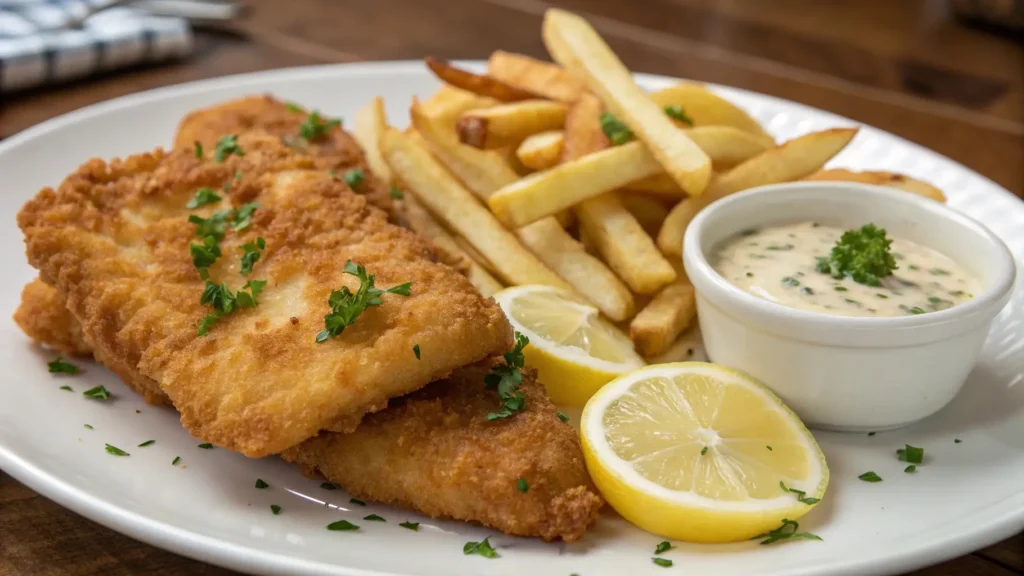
(568, 174)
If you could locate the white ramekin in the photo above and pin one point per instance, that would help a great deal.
(837, 372)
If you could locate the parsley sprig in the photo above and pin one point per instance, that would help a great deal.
(316, 126)
(226, 146)
(62, 366)
(203, 196)
(801, 496)
(251, 252)
(788, 531)
(678, 113)
(864, 255)
(346, 306)
(224, 302)
(506, 378)
(616, 130)
(480, 548)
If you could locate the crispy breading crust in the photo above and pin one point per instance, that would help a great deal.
(113, 239)
(434, 451)
(44, 317)
(338, 150)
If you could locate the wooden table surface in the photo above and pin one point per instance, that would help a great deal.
(905, 66)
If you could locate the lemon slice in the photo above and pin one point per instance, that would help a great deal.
(644, 439)
(574, 349)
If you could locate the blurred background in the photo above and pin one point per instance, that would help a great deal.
(947, 74)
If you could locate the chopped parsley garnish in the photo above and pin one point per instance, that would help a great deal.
(703, 450)
(97, 393)
(88, 427)
(328, 486)
(788, 531)
(957, 293)
(863, 255)
(111, 449)
(750, 232)
(224, 302)
(911, 454)
(841, 289)
(147, 443)
(563, 417)
(790, 281)
(678, 113)
(199, 148)
(522, 485)
(214, 226)
(354, 177)
(68, 388)
(870, 477)
(800, 494)
(663, 562)
(807, 290)
(416, 350)
(938, 272)
(316, 126)
(176, 460)
(915, 310)
(293, 107)
(910, 469)
(346, 306)
(506, 378)
(396, 193)
(226, 146)
(957, 440)
(342, 525)
(62, 366)
(769, 448)
(251, 252)
(616, 130)
(261, 484)
(356, 501)
(205, 254)
(203, 196)
(662, 547)
(206, 446)
(243, 218)
(374, 518)
(275, 509)
(480, 548)
(414, 526)
(780, 247)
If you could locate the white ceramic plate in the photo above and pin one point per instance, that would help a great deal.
(967, 495)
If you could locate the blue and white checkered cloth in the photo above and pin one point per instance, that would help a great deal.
(34, 51)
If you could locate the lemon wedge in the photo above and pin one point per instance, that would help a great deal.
(574, 349)
(699, 452)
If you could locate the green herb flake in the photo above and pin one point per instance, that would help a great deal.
(354, 177)
(916, 310)
(396, 193)
(790, 281)
(206, 446)
(226, 146)
(198, 148)
(68, 388)
(203, 197)
(616, 130)
(111, 449)
(788, 531)
(563, 417)
(663, 562)
(243, 218)
(481, 549)
(346, 306)
(807, 290)
(957, 440)
(841, 289)
(703, 450)
(870, 477)
(800, 494)
(342, 526)
(769, 448)
(176, 460)
(88, 427)
(911, 454)
(374, 518)
(780, 247)
(678, 113)
(910, 469)
(328, 486)
(275, 509)
(662, 547)
(293, 107)
(147, 443)
(316, 126)
(97, 393)
(356, 501)
(864, 255)
(215, 226)
(506, 378)
(62, 366)
(251, 252)
(414, 526)
(522, 485)
(750, 274)
(261, 484)
(416, 351)
(938, 272)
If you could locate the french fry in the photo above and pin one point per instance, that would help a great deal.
(477, 84)
(689, 347)
(541, 151)
(421, 222)
(706, 108)
(790, 161)
(481, 171)
(727, 146)
(649, 212)
(591, 278)
(573, 43)
(442, 194)
(658, 324)
(549, 80)
(473, 254)
(451, 102)
(618, 236)
(370, 123)
(891, 179)
(509, 124)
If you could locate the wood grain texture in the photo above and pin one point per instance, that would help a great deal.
(907, 67)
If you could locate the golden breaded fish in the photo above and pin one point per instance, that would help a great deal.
(44, 317)
(114, 240)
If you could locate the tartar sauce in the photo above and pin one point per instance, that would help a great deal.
(780, 264)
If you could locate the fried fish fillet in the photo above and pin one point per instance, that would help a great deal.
(44, 317)
(334, 150)
(114, 239)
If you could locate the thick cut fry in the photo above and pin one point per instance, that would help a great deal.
(792, 160)
(476, 83)
(649, 212)
(727, 146)
(474, 254)
(370, 123)
(573, 43)
(509, 124)
(541, 151)
(891, 179)
(549, 80)
(456, 207)
(449, 103)
(481, 171)
(545, 193)
(589, 275)
(661, 321)
(706, 108)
